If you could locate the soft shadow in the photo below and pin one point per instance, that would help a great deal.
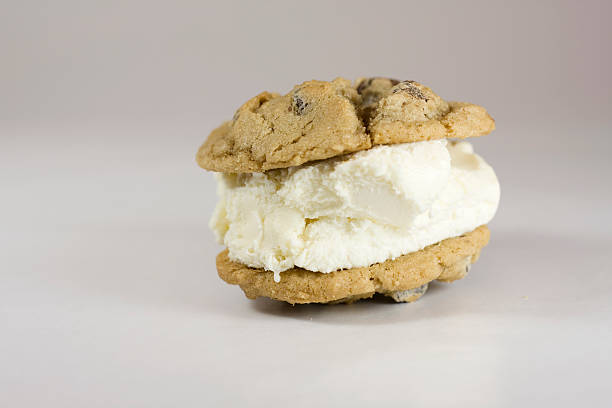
(376, 310)
(307, 311)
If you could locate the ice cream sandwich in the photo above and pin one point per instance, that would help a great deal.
(339, 190)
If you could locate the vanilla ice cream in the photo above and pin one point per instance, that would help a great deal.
(354, 210)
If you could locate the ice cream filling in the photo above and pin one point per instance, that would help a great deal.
(354, 210)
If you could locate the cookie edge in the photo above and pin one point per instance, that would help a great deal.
(299, 286)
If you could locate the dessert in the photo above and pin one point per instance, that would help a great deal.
(339, 190)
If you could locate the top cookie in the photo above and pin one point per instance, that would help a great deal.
(318, 120)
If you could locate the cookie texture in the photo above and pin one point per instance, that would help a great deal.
(446, 261)
(318, 120)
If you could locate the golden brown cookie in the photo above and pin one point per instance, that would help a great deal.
(410, 112)
(318, 120)
(403, 278)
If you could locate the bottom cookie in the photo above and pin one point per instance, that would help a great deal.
(404, 278)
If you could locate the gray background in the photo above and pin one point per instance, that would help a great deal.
(109, 295)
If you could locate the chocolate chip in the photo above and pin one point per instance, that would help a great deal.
(408, 86)
(299, 106)
(409, 295)
(364, 84)
(367, 82)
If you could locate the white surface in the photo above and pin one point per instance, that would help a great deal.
(363, 209)
(108, 291)
(110, 298)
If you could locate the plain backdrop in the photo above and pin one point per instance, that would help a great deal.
(108, 289)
